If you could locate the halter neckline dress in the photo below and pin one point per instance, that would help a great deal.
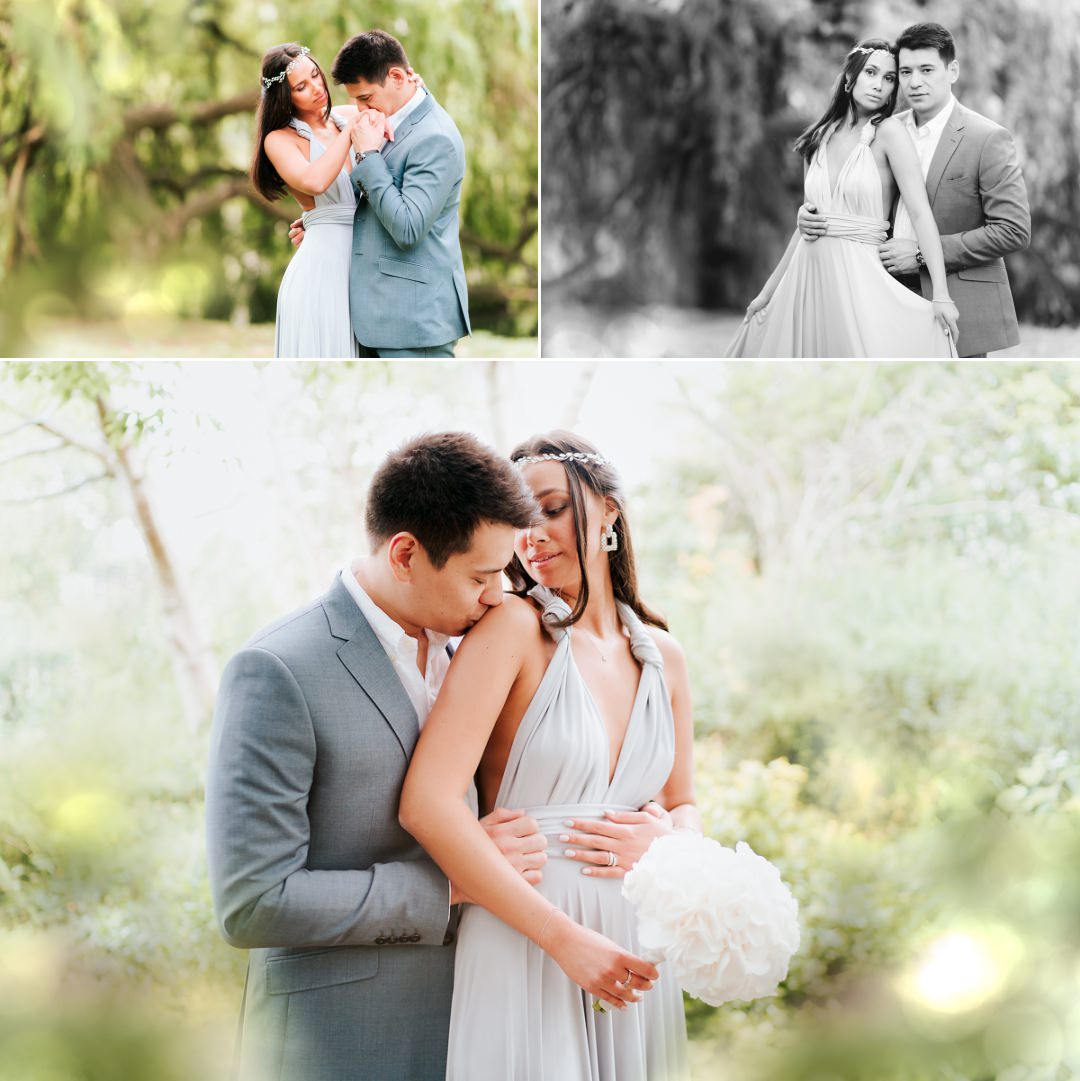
(836, 299)
(516, 1016)
(313, 300)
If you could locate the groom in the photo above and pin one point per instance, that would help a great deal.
(349, 923)
(976, 191)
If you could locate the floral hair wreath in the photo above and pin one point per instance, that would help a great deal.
(870, 49)
(566, 456)
(268, 81)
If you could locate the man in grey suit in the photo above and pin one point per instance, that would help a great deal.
(348, 922)
(407, 291)
(976, 191)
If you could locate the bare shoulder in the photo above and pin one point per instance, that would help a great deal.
(513, 623)
(893, 137)
(892, 127)
(282, 137)
(674, 655)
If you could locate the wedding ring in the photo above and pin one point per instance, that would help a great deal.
(612, 859)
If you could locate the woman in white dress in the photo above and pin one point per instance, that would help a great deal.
(304, 147)
(830, 296)
(571, 700)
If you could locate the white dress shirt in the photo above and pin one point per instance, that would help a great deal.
(926, 138)
(413, 103)
(402, 649)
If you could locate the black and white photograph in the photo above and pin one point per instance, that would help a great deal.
(789, 179)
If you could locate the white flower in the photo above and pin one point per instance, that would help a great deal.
(722, 919)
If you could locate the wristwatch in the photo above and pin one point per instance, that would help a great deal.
(919, 257)
(364, 153)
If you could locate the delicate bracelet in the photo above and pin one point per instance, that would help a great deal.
(942, 300)
(550, 915)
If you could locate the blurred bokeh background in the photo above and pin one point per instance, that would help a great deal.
(669, 184)
(872, 569)
(128, 226)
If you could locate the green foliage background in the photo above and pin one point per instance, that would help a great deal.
(126, 131)
(871, 567)
(668, 127)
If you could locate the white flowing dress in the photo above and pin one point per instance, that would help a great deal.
(516, 1016)
(836, 299)
(313, 300)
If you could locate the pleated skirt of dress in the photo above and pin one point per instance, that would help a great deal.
(837, 300)
(313, 300)
(518, 1017)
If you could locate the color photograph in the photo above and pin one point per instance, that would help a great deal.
(326, 180)
(518, 721)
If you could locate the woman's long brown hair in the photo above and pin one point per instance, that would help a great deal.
(275, 111)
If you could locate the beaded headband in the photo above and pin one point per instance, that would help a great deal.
(566, 456)
(870, 49)
(268, 81)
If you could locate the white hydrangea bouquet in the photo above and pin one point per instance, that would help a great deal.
(721, 917)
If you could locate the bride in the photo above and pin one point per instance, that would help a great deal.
(571, 700)
(303, 146)
(831, 297)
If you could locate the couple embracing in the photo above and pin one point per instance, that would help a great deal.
(423, 846)
(379, 271)
(941, 178)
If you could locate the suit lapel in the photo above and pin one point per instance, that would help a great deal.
(951, 138)
(363, 655)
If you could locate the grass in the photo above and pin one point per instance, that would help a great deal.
(163, 336)
(573, 330)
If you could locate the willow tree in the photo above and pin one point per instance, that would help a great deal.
(668, 125)
(126, 131)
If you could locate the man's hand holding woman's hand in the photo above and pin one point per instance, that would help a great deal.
(369, 130)
(518, 838)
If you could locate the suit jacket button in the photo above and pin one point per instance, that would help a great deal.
(380, 941)
(393, 939)
(414, 938)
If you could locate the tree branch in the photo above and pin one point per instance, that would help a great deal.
(31, 140)
(67, 490)
(32, 452)
(203, 203)
(100, 453)
(156, 117)
(178, 184)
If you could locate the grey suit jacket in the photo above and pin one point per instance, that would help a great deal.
(980, 204)
(407, 279)
(343, 912)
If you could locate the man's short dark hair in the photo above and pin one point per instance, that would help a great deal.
(369, 57)
(928, 36)
(440, 488)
